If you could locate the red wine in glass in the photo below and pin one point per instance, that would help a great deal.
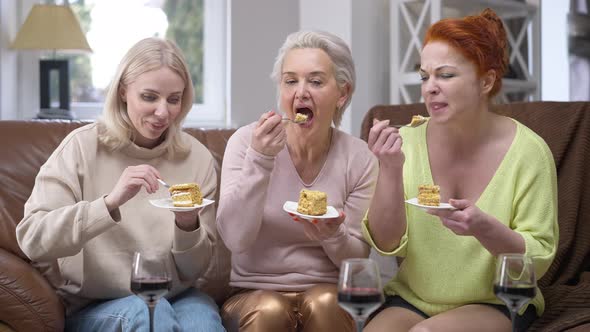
(515, 283)
(515, 297)
(359, 289)
(360, 302)
(150, 281)
(151, 289)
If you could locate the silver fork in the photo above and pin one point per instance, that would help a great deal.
(416, 122)
(163, 183)
(296, 122)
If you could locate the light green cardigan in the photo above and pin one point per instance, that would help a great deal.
(442, 270)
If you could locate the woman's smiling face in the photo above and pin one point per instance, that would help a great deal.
(308, 86)
(154, 101)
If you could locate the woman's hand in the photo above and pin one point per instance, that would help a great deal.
(468, 219)
(321, 229)
(270, 136)
(129, 184)
(386, 143)
(188, 221)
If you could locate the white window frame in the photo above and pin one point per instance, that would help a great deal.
(213, 111)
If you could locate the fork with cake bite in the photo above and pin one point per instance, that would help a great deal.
(417, 120)
(299, 118)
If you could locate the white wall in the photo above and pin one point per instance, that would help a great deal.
(316, 15)
(554, 60)
(19, 98)
(364, 25)
(8, 62)
(256, 31)
(370, 49)
(28, 67)
(258, 28)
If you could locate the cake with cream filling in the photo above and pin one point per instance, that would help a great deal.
(299, 118)
(186, 194)
(312, 202)
(429, 195)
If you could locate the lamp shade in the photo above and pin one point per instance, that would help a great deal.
(51, 27)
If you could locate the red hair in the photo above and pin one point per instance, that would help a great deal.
(479, 38)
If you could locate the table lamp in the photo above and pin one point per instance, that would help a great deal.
(52, 27)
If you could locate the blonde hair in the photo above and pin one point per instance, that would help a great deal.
(146, 55)
(335, 48)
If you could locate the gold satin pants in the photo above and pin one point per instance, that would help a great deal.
(313, 310)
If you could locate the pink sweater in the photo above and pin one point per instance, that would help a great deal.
(270, 250)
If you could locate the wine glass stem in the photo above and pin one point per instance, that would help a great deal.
(513, 320)
(152, 308)
(360, 323)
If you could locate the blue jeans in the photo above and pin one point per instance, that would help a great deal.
(190, 310)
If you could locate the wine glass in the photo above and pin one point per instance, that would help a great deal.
(150, 281)
(359, 288)
(515, 282)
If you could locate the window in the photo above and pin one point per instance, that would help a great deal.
(113, 26)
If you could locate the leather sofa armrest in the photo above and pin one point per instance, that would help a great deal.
(27, 300)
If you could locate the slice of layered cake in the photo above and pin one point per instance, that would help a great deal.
(312, 202)
(429, 195)
(186, 194)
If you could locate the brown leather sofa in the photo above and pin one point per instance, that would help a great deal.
(27, 301)
(565, 126)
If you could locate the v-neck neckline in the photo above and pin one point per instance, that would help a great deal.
(489, 186)
(318, 176)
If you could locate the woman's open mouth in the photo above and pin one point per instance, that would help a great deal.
(308, 113)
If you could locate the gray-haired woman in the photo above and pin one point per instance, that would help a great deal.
(285, 272)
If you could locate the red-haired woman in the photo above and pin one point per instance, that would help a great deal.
(498, 174)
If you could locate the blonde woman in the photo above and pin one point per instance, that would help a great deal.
(89, 211)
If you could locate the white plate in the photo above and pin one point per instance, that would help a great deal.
(442, 206)
(166, 203)
(291, 207)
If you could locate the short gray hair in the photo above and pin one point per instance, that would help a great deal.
(335, 48)
(146, 55)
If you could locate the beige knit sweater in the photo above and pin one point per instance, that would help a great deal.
(82, 250)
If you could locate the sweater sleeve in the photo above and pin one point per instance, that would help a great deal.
(400, 251)
(349, 242)
(192, 251)
(57, 221)
(535, 206)
(245, 176)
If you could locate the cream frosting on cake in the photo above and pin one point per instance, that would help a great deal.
(186, 194)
